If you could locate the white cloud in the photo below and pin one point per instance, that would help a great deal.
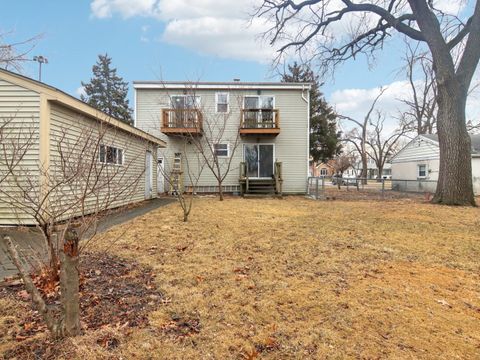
(210, 27)
(80, 91)
(226, 38)
(125, 8)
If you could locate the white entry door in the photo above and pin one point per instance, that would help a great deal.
(148, 175)
(160, 176)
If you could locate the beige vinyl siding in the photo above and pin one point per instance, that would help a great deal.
(20, 107)
(69, 126)
(291, 145)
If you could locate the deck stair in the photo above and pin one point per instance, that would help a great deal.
(261, 187)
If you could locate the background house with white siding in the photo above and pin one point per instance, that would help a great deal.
(416, 166)
(272, 120)
(46, 123)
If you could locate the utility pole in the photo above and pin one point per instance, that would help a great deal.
(41, 60)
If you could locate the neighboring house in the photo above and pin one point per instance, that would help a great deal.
(372, 171)
(272, 120)
(416, 166)
(49, 120)
(323, 169)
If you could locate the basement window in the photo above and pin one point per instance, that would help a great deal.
(110, 155)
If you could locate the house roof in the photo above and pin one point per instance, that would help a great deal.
(57, 95)
(220, 85)
(475, 140)
(433, 139)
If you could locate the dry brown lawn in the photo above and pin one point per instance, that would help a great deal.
(302, 279)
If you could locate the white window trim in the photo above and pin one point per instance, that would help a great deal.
(258, 96)
(186, 95)
(107, 163)
(216, 102)
(221, 156)
(418, 171)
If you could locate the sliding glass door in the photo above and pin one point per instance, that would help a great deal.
(259, 160)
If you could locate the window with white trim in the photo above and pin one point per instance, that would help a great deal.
(323, 172)
(422, 171)
(110, 155)
(185, 101)
(221, 102)
(221, 150)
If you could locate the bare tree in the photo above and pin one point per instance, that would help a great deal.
(358, 135)
(185, 197)
(66, 197)
(296, 25)
(382, 147)
(343, 162)
(206, 130)
(14, 54)
(421, 114)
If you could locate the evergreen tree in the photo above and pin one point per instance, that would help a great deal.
(324, 137)
(107, 91)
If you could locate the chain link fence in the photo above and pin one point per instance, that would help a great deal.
(324, 188)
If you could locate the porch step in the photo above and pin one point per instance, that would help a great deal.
(259, 187)
(261, 196)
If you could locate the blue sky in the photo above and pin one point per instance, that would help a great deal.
(175, 40)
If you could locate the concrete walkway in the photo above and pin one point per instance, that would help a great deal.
(32, 247)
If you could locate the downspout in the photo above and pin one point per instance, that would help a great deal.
(307, 100)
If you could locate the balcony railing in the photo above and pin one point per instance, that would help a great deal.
(181, 122)
(260, 121)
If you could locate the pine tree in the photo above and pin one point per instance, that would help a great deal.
(324, 137)
(107, 91)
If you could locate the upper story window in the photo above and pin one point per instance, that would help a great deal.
(185, 101)
(110, 155)
(265, 102)
(221, 102)
(323, 172)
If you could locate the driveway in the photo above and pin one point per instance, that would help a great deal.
(30, 243)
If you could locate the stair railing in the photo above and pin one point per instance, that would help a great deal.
(277, 175)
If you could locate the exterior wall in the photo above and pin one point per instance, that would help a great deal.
(317, 170)
(67, 127)
(19, 114)
(291, 145)
(476, 175)
(418, 152)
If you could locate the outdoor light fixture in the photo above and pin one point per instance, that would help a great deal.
(41, 60)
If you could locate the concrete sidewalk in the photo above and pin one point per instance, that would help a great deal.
(32, 247)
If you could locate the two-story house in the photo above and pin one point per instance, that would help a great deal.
(258, 132)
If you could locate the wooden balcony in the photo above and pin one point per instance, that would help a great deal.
(186, 122)
(260, 122)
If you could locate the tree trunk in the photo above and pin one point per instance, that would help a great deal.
(364, 173)
(454, 185)
(69, 284)
(39, 303)
(380, 171)
(220, 191)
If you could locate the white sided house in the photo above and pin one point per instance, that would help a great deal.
(53, 143)
(260, 129)
(416, 166)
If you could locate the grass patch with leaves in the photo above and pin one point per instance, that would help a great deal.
(297, 278)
